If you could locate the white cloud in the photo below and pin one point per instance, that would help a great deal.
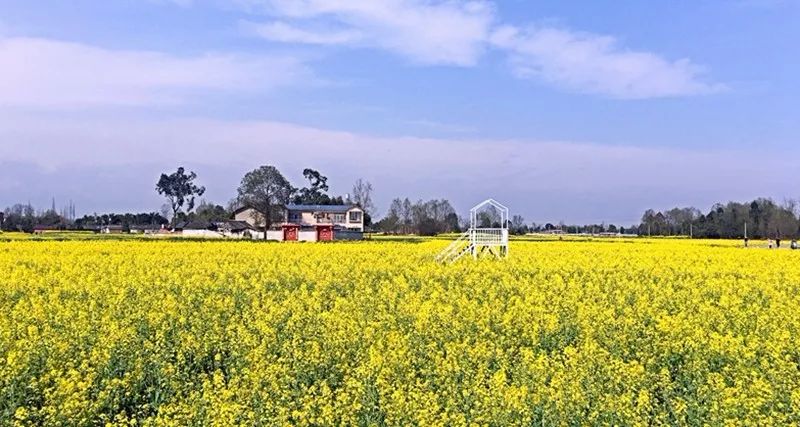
(458, 33)
(425, 31)
(287, 33)
(57, 74)
(590, 63)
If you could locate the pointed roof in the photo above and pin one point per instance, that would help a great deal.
(491, 202)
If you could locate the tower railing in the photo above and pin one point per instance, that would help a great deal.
(489, 236)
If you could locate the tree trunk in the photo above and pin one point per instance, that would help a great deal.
(267, 223)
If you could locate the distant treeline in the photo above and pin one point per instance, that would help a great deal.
(23, 217)
(422, 217)
(763, 218)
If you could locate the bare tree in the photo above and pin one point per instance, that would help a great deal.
(362, 196)
(518, 224)
(166, 211)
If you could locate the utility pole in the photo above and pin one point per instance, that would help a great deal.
(691, 231)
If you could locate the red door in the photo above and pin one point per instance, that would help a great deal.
(324, 233)
(290, 233)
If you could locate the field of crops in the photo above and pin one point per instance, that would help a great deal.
(374, 333)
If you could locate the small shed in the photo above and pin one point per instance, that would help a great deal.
(324, 233)
(290, 232)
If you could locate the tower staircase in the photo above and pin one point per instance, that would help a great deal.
(458, 248)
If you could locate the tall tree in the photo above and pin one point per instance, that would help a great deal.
(362, 196)
(406, 215)
(267, 191)
(179, 189)
(316, 192)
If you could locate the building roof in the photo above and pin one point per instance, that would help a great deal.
(145, 226)
(198, 225)
(45, 227)
(241, 209)
(234, 225)
(321, 208)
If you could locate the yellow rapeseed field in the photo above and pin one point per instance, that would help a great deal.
(643, 332)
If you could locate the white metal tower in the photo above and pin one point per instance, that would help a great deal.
(480, 239)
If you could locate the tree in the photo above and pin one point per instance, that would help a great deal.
(406, 212)
(315, 193)
(518, 225)
(179, 189)
(362, 196)
(393, 220)
(489, 217)
(207, 211)
(266, 191)
(19, 217)
(423, 217)
(165, 212)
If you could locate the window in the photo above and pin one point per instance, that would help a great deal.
(355, 216)
(294, 216)
(338, 218)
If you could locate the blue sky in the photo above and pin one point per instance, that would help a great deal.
(574, 111)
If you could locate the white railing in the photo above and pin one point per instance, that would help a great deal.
(488, 236)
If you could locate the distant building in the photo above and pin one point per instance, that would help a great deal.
(238, 229)
(111, 229)
(197, 229)
(41, 229)
(310, 222)
(345, 217)
(216, 229)
(146, 228)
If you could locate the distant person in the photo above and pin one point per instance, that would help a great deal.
(793, 245)
(769, 243)
(778, 243)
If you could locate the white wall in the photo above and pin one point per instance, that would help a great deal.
(201, 233)
(248, 217)
(307, 236)
(271, 235)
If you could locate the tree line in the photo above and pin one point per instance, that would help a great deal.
(422, 217)
(760, 218)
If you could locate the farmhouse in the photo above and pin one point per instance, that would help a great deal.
(146, 228)
(197, 229)
(216, 229)
(310, 222)
(42, 229)
(236, 229)
(112, 229)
